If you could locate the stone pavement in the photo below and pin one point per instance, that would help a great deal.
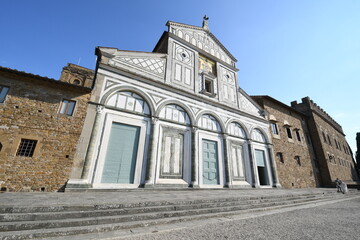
(16, 199)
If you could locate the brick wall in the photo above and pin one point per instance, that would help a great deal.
(334, 157)
(291, 173)
(30, 111)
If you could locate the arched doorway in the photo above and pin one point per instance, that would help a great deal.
(261, 158)
(122, 146)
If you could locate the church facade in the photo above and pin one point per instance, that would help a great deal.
(174, 117)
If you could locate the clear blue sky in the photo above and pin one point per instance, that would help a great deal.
(285, 49)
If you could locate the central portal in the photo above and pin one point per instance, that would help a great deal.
(210, 162)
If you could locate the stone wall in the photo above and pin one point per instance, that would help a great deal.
(331, 148)
(30, 111)
(292, 174)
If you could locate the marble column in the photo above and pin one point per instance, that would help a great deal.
(273, 167)
(226, 161)
(194, 158)
(92, 144)
(151, 157)
(254, 178)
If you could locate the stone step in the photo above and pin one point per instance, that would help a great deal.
(164, 219)
(139, 215)
(65, 208)
(110, 210)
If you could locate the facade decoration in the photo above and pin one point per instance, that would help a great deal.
(172, 118)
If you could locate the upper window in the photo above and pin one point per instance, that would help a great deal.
(3, 91)
(67, 107)
(324, 137)
(329, 141)
(280, 157)
(207, 68)
(297, 132)
(288, 131)
(274, 128)
(26, 148)
(129, 101)
(208, 86)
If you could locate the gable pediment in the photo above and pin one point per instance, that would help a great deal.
(203, 39)
(248, 105)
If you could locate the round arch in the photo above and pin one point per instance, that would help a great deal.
(205, 112)
(247, 133)
(129, 89)
(262, 132)
(178, 103)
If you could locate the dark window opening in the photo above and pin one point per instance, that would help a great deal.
(208, 86)
(26, 148)
(288, 131)
(297, 158)
(298, 135)
(280, 157)
(324, 137)
(76, 82)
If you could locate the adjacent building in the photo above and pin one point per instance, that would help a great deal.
(40, 124)
(332, 152)
(294, 155)
(174, 117)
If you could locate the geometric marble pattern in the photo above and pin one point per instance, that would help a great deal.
(153, 65)
(246, 105)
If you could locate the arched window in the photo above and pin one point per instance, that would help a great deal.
(129, 101)
(174, 113)
(76, 82)
(258, 136)
(235, 129)
(209, 122)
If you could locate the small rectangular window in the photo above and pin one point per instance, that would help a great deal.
(288, 131)
(3, 92)
(26, 148)
(297, 158)
(298, 135)
(274, 129)
(67, 107)
(208, 86)
(280, 157)
(324, 137)
(329, 141)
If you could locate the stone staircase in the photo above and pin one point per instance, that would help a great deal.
(35, 222)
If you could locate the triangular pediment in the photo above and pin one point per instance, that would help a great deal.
(248, 105)
(203, 39)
